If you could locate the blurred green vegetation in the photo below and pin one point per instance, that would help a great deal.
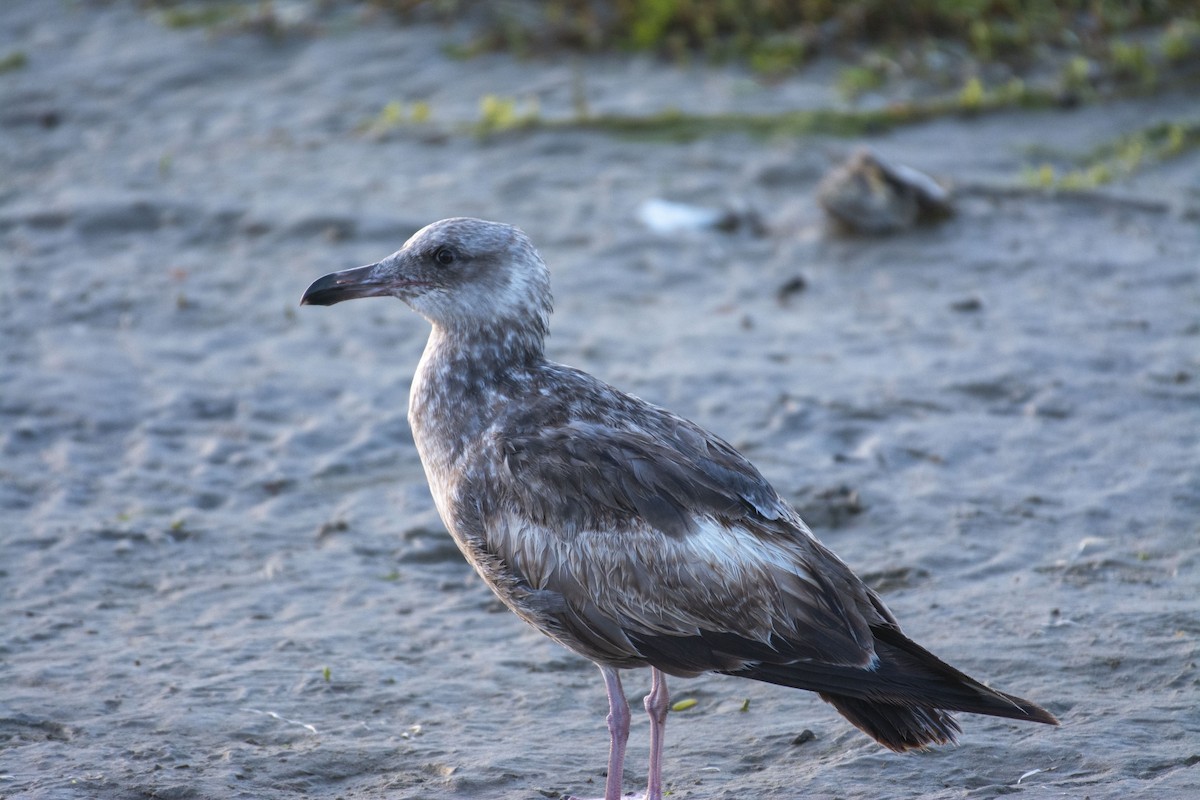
(1088, 49)
(970, 56)
(1122, 157)
(207, 15)
(960, 57)
(774, 34)
(14, 60)
(1123, 41)
(501, 115)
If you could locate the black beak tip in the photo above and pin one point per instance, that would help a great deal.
(317, 299)
(345, 285)
(325, 291)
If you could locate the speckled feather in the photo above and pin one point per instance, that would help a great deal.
(625, 532)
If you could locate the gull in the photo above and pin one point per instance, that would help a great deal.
(625, 532)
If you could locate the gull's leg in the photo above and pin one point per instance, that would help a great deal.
(618, 731)
(656, 706)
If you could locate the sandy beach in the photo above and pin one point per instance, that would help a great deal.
(221, 572)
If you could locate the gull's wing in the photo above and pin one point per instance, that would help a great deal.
(656, 542)
(636, 538)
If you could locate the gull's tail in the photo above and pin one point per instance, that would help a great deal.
(903, 701)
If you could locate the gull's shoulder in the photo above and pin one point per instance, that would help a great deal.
(574, 445)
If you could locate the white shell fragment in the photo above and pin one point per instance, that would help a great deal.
(667, 217)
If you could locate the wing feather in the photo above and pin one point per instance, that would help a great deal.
(664, 544)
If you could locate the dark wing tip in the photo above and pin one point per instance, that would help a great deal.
(1034, 712)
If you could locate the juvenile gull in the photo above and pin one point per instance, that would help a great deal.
(625, 532)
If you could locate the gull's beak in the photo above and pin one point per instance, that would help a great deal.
(346, 285)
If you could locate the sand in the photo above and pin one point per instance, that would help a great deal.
(221, 573)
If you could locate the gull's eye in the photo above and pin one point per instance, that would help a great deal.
(444, 256)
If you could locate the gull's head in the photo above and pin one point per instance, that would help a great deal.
(460, 274)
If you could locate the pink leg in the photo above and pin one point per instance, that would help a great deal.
(618, 731)
(656, 706)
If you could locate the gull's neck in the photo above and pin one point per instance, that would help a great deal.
(468, 358)
(465, 377)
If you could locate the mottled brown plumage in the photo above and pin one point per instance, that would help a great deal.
(625, 532)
